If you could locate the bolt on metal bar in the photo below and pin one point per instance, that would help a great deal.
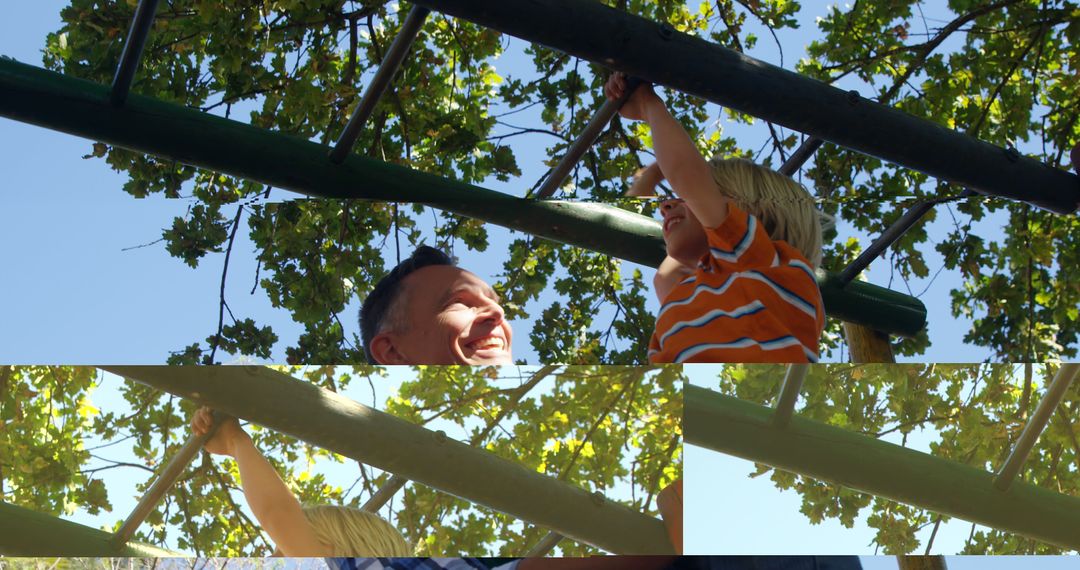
(545, 545)
(383, 76)
(133, 48)
(1035, 425)
(383, 495)
(801, 155)
(789, 393)
(890, 235)
(585, 140)
(165, 480)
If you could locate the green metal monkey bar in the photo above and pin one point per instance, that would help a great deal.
(775, 437)
(79, 107)
(24, 532)
(336, 423)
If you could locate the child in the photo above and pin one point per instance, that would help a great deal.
(297, 531)
(738, 283)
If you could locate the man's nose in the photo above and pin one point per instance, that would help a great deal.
(491, 311)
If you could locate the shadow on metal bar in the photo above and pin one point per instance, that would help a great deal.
(383, 76)
(1035, 425)
(133, 48)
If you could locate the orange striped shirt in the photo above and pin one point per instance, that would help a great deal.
(751, 299)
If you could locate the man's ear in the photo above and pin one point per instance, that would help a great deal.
(384, 349)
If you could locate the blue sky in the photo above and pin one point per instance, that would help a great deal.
(78, 289)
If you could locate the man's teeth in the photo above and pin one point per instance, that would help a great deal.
(487, 343)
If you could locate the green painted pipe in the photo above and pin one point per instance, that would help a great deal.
(336, 423)
(143, 124)
(24, 532)
(660, 54)
(743, 429)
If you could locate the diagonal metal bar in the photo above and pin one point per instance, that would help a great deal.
(744, 429)
(659, 54)
(133, 48)
(546, 545)
(890, 235)
(801, 155)
(24, 532)
(585, 140)
(1035, 425)
(336, 423)
(789, 394)
(165, 480)
(77, 107)
(385, 493)
(391, 62)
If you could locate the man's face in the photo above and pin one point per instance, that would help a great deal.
(685, 237)
(453, 318)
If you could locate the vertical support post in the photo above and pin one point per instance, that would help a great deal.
(789, 394)
(585, 140)
(383, 76)
(545, 545)
(165, 480)
(383, 495)
(1035, 425)
(868, 345)
(133, 48)
(908, 562)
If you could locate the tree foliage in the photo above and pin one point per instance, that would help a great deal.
(1000, 70)
(972, 414)
(611, 429)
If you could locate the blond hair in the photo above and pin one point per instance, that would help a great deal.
(784, 208)
(353, 532)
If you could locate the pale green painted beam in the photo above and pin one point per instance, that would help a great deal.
(336, 423)
(24, 532)
(743, 429)
(81, 108)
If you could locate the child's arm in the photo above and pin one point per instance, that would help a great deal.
(670, 503)
(683, 166)
(270, 500)
(668, 275)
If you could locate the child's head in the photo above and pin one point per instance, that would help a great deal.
(353, 532)
(784, 208)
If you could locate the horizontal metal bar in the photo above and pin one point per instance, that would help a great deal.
(24, 532)
(585, 140)
(789, 394)
(338, 424)
(546, 545)
(1036, 424)
(165, 481)
(383, 76)
(744, 429)
(133, 48)
(658, 53)
(78, 107)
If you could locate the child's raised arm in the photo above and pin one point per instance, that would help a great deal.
(682, 164)
(270, 500)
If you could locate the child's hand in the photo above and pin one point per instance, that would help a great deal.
(225, 438)
(635, 107)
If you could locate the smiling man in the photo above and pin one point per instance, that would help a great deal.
(429, 311)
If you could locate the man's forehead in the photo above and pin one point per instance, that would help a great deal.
(446, 277)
